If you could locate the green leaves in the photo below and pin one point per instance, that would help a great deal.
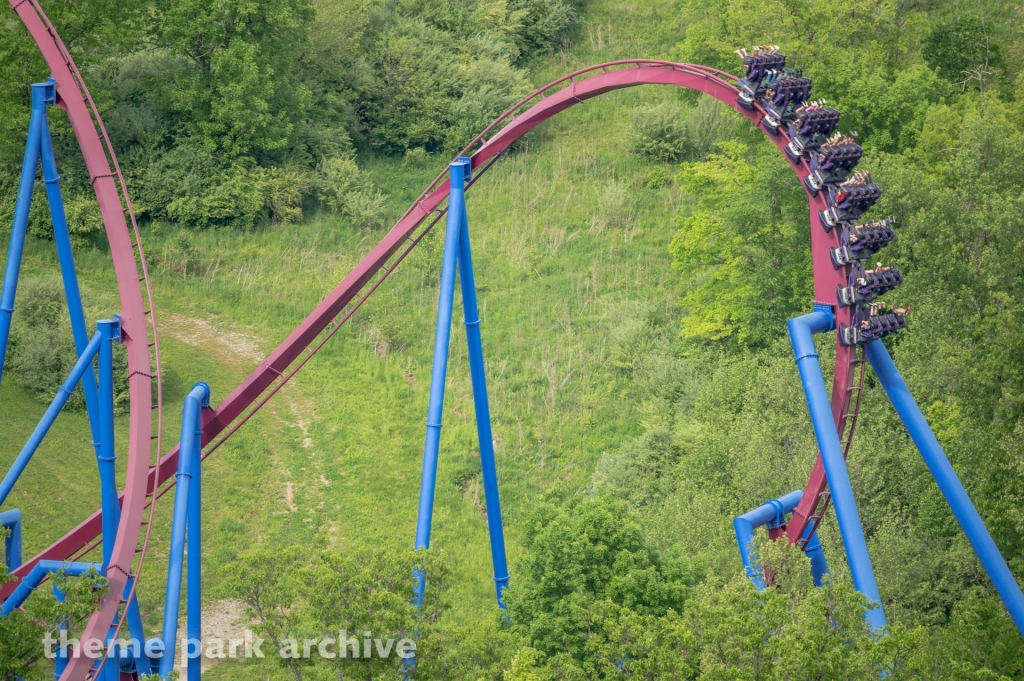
(240, 94)
(743, 253)
(298, 593)
(22, 633)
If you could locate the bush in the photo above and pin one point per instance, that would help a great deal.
(236, 197)
(658, 132)
(42, 349)
(547, 23)
(667, 132)
(285, 190)
(189, 185)
(346, 190)
(85, 223)
(491, 87)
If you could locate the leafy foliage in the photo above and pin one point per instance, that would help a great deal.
(300, 593)
(22, 633)
(42, 350)
(743, 252)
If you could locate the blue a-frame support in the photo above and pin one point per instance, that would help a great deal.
(801, 331)
(458, 256)
(99, 399)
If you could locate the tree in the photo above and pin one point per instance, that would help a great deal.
(963, 50)
(22, 633)
(743, 254)
(358, 604)
(239, 93)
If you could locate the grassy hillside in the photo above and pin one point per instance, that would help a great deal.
(571, 253)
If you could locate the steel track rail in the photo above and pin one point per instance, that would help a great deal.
(138, 319)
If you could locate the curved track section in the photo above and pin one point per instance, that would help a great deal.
(139, 332)
(338, 307)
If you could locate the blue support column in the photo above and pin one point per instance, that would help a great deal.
(482, 406)
(41, 571)
(110, 332)
(814, 551)
(106, 456)
(62, 239)
(950, 485)
(20, 226)
(801, 330)
(193, 625)
(771, 512)
(60, 662)
(183, 510)
(11, 521)
(435, 408)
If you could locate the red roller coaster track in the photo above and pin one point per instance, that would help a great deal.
(145, 481)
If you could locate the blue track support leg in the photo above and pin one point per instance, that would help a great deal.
(950, 485)
(771, 513)
(193, 625)
(110, 331)
(103, 420)
(819, 565)
(11, 521)
(435, 408)
(34, 578)
(483, 409)
(24, 203)
(61, 660)
(801, 330)
(62, 239)
(183, 511)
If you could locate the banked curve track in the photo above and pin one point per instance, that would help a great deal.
(138, 324)
(145, 482)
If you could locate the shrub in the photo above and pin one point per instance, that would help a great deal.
(491, 87)
(236, 197)
(285, 190)
(346, 190)
(189, 185)
(42, 349)
(658, 132)
(546, 23)
(85, 223)
(667, 132)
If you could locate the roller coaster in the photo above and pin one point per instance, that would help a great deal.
(771, 96)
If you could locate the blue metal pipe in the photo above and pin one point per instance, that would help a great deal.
(109, 330)
(61, 659)
(773, 511)
(41, 92)
(482, 407)
(442, 337)
(84, 363)
(106, 456)
(11, 520)
(65, 254)
(186, 476)
(801, 330)
(43, 569)
(950, 485)
(814, 551)
(194, 604)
